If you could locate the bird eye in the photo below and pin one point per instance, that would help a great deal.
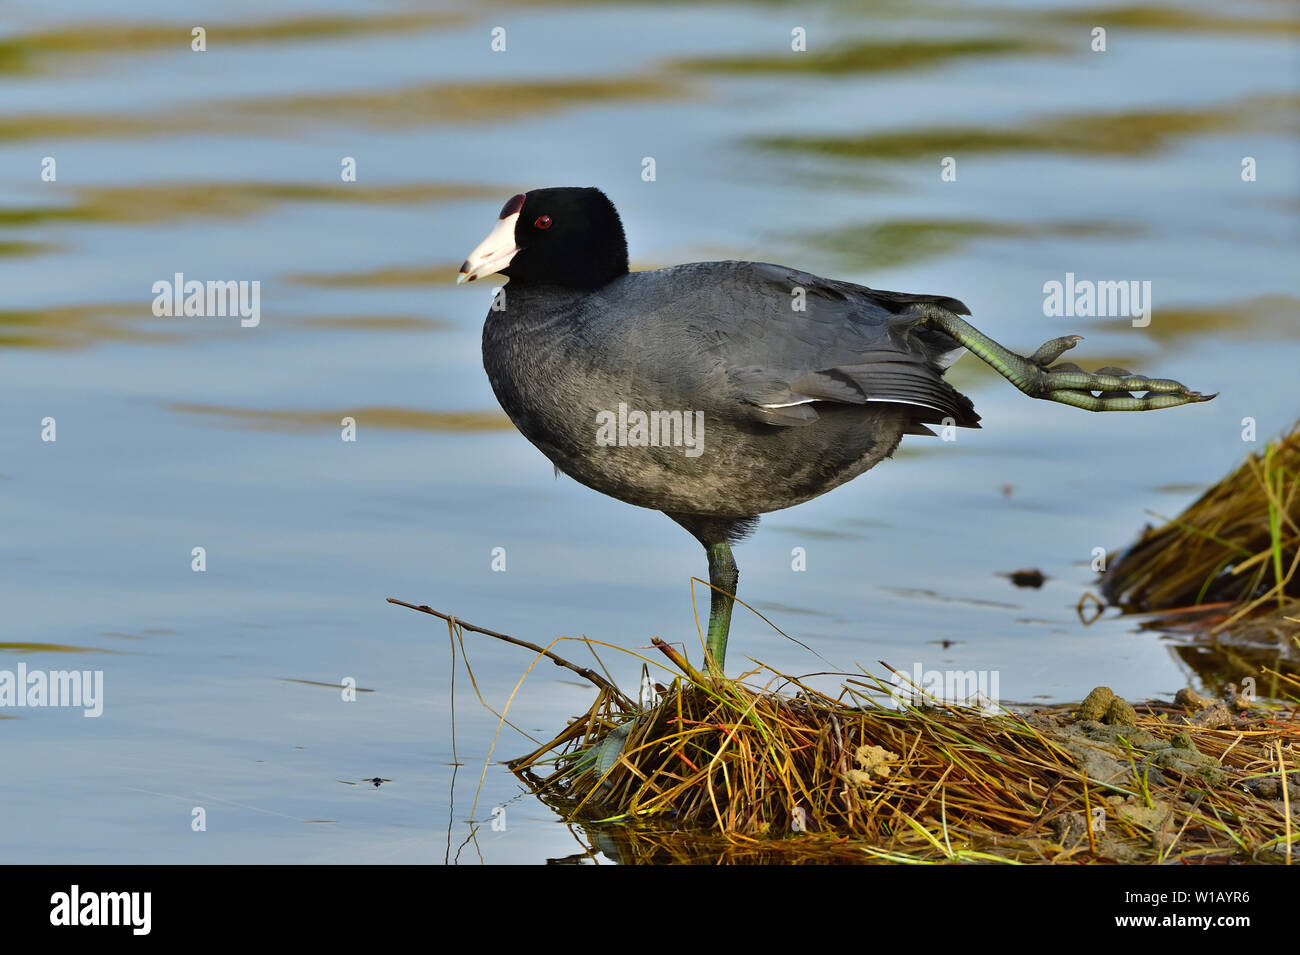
(543, 222)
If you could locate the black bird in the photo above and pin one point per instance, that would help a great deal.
(718, 391)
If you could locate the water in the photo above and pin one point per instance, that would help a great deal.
(177, 433)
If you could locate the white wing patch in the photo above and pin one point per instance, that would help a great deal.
(888, 401)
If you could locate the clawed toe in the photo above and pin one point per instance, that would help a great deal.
(1125, 402)
(1107, 389)
(1117, 389)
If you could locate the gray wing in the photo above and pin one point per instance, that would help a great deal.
(847, 345)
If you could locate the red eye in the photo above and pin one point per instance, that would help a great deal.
(543, 222)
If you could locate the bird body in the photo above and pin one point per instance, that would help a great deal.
(719, 391)
(790, 402)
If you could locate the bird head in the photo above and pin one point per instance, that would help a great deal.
(567, 236)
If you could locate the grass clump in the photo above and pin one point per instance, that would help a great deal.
(734, 772)
(1226, 567)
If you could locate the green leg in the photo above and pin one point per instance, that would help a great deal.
(724, 576)
(1066, 383)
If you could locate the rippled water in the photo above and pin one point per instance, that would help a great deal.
(176, 433)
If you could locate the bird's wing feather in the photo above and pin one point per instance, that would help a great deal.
(847, 344)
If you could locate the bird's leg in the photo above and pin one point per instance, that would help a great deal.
(724, 576)
(1066, 383)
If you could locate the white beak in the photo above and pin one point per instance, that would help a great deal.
(492, 254)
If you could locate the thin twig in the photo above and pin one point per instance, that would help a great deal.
(584, 672)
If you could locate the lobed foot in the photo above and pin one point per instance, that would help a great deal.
(1069, 384)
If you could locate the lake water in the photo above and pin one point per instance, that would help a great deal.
(175, 433)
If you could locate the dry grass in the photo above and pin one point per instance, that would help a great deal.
(1230, 559)
(731, 772)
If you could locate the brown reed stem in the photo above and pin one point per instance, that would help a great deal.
(584, 672)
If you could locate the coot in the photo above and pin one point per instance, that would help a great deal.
(719, 391)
